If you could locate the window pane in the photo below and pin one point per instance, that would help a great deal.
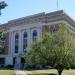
(34, 35)
(24, 41)
(25, 35)
(16, 43)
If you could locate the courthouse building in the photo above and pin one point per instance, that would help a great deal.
(19, 34)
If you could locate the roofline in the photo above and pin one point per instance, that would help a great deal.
(39, 17)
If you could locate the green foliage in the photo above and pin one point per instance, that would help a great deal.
(54, 49)
(2, 6)
(1, 47)
(39, 52)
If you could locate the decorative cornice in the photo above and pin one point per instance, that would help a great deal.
(41, 17)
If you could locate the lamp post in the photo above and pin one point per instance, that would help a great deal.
(57, 4)
(2, 6)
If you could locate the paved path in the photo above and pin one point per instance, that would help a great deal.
(19, 72)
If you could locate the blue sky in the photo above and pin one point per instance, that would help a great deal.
(21, 8)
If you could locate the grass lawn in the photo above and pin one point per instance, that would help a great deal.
(65, 72)
(39, 72)
(7, 72)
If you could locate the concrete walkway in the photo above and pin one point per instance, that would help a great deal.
(19, 72)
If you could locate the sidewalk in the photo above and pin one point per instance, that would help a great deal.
(19, 72)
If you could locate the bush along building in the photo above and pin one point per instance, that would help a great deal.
(19, 34)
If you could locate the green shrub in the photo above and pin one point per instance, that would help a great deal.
(9, 66)
(72, 66)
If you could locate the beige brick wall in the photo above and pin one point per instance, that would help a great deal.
(50, 28)
(45, 29)
(6, 43)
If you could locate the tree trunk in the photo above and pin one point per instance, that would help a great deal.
(60, 72)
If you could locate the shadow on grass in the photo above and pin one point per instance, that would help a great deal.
(44, 74)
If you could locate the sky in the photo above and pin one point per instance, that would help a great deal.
(21, 8)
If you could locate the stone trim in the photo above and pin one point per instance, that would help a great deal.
(41, 17)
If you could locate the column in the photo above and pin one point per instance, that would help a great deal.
(11, 42)
(39, 31)
(29, 38)
(20, 42)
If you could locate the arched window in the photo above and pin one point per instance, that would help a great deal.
(16, 43)
(24, 41)
(34, 37)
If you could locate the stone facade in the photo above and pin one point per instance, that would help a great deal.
(40, 23)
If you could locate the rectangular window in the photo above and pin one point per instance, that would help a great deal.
(16, 43)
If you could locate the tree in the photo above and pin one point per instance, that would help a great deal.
(54, 49)
(2, 6)
(1, 46)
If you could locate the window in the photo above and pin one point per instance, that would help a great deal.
(14, 60)
(54, 28)
(2, 60)
(3, 39)
(16, 43)
(24, 41)
(34, 37)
